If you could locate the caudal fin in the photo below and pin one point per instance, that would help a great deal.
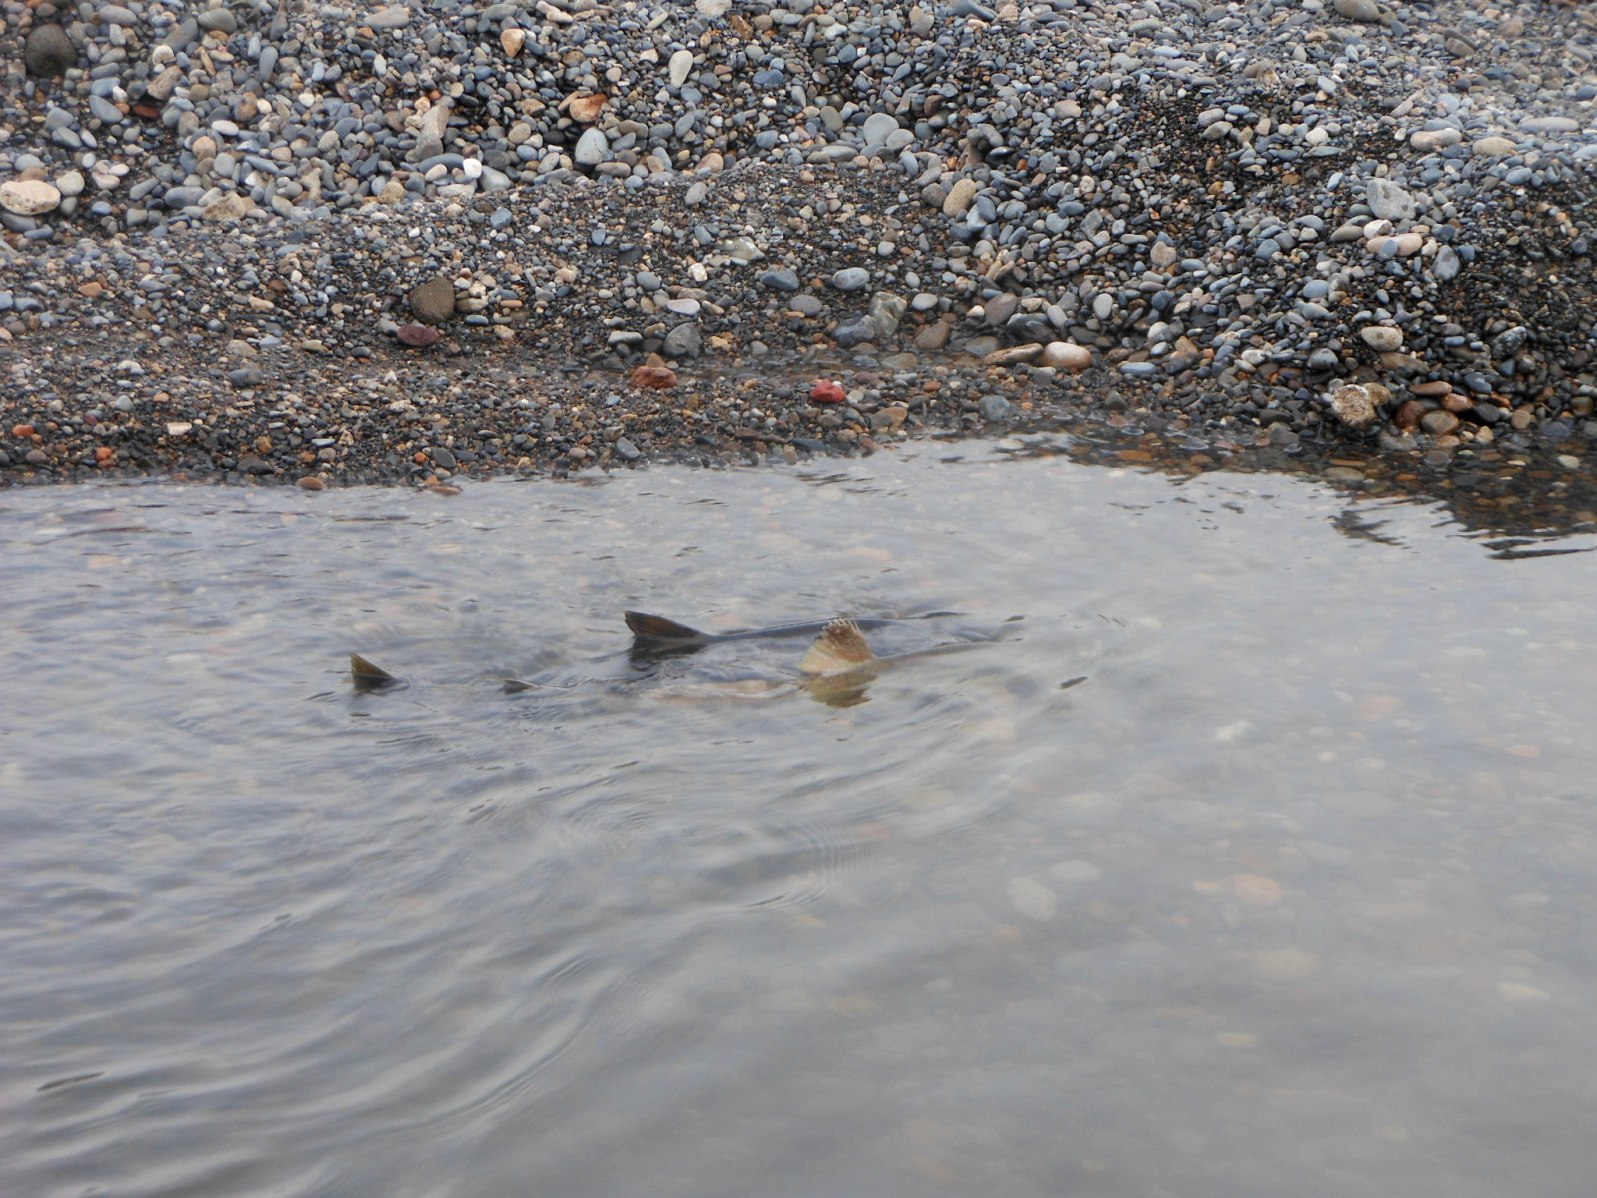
(658, 628)
(841, 646)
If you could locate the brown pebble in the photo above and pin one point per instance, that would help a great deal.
(22, 430)
(311, 483)
(418, 336)
(1409, 415)
(1354, 406)
(1439, 422)
(891, 417)
(433, 302)
(586, 108)
(654, 378)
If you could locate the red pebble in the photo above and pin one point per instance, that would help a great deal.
(826, 391)
(419, 336)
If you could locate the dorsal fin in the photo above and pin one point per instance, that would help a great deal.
(841, 646)
(658, 628)
(366, 675)
(360, 668)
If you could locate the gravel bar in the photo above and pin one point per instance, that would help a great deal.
(307, 243)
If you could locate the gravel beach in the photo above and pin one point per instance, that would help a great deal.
(332, 243)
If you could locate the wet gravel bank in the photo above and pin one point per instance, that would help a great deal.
(329, 244)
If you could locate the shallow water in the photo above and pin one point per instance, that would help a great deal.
(1244, 852)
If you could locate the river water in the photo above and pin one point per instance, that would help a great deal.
(1248, 846)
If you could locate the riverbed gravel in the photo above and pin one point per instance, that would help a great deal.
(319, 243)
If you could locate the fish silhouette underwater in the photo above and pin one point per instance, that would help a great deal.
(836, 668)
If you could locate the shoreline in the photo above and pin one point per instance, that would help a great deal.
(1354, 228)
(1520, 500)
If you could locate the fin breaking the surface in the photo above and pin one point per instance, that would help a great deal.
(658, 628)
(368, 676)
(841, 646)
(516, 686)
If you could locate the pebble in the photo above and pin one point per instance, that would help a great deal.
(433, 302)
(1493, 147)
(1033, 900)
(592, 148)
(1439, 422)
(1447, 264)
(418, 336)
(104, 111)
(680, 65)
(1354, 406)
(1389, 200)
(1063, 355)
(393, 16)
(1549, 124)
(683, 341)
(852, 278)
(1357, 10)
(1426, 140)
(1011, 356)
(878, 127)
(587, 108)
(995, 409)
(654, 377)
(218, 20)
(28, 197)
(960, 196)
(49, 52)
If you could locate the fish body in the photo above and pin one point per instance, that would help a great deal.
(668, 632)
(368, 677)
(836, 668)
(651, 632)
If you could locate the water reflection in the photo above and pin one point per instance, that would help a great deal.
(1256, 857)
(1498, 492)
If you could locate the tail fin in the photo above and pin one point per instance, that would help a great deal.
(658, 628)
(367, 676)
(841, 646)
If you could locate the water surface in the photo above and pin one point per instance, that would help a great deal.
(1251, 853)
